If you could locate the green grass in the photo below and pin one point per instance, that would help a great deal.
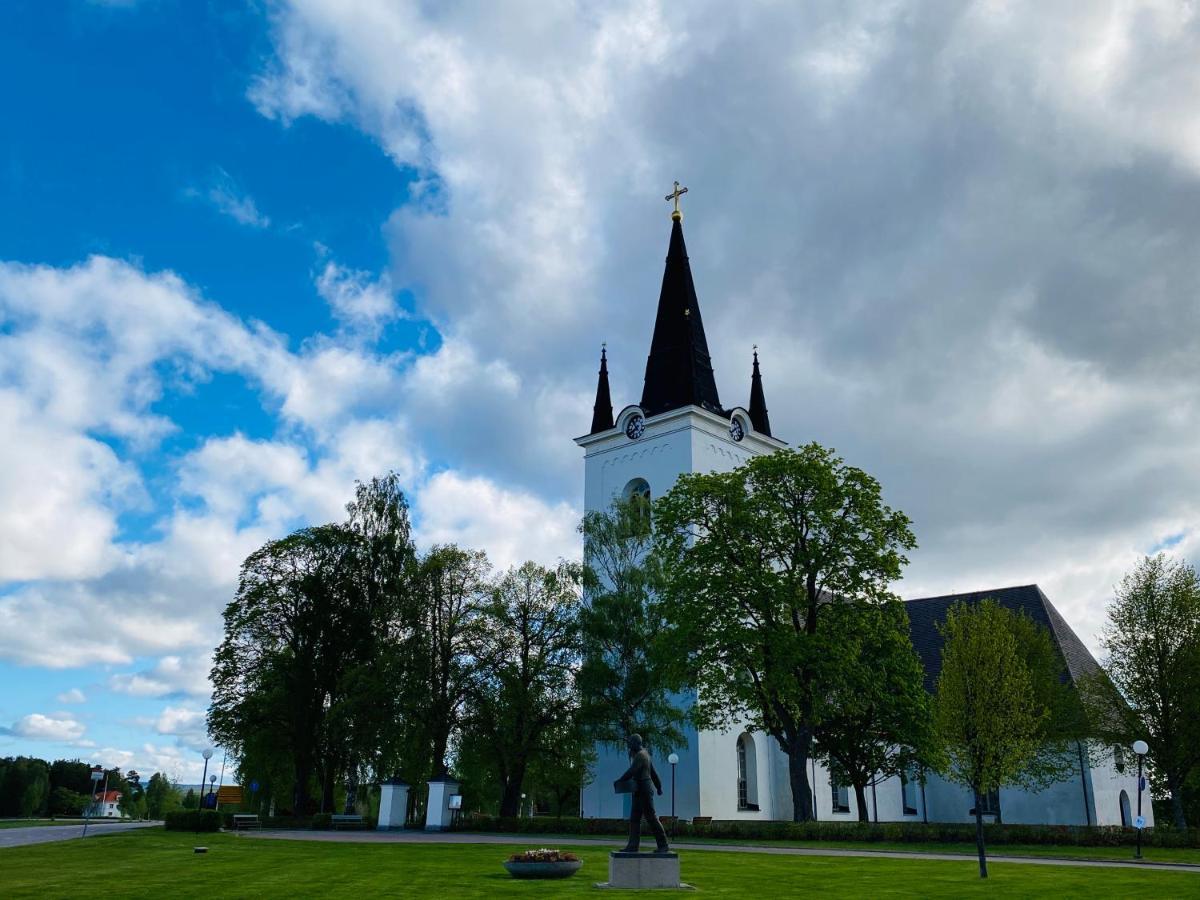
(1060, 851)
(153, 864)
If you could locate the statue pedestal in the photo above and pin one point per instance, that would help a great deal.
(642, 871)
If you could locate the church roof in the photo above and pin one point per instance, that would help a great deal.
(926, 615)
(679, 370)
(602, 415)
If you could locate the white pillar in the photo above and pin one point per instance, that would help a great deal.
(437, 810)
(393, 804)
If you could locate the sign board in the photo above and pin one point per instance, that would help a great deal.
(97, 774)
(1139, 822)
(1142, 783)
(254, 785)
(456, 801)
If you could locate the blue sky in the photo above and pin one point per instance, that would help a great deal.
(251, 253)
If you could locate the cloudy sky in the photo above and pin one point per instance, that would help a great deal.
(248, 255)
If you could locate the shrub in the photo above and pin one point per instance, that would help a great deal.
(322, 821)
(193, 820)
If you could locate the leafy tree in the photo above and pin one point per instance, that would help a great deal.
(190, 801)
(874, 719)
(1150, 688)
(622, 684)
(751, 560)
(71, 774)
(1001, 711)
(526, 651)
(24, 786)
(162, 796)
(66, 802)
(454, 586)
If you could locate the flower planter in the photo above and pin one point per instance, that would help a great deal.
(543, 869)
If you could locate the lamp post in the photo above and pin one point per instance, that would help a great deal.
(207, 754)
(212, 783)
(97, 774)
(1141, 748)
(522, 807)
(673, 759)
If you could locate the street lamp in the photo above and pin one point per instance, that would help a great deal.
(212, 781)
(673, 759)
(1141, 748)
(207, 754)
(522, 807)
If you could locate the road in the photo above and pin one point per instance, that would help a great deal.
(45, 834)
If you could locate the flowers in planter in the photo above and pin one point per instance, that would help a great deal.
(543, 855)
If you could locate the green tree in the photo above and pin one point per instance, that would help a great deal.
(750, 562)
(71, 774)
(24, 786)
(874, 719)
(622, 682)
(66, 802)
(454, 586)
(190, 801)
(162, 796)
(1150, 688)
(526, 653)
(1002, 711)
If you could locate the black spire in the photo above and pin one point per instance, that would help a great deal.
(602, 417)
(758, 402)
(679, 370)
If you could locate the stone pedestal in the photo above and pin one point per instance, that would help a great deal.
(438, 814)
(643, 871)
(393, 804)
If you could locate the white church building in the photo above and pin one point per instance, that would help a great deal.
(680, 426)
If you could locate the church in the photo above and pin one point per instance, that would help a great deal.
(680, 426)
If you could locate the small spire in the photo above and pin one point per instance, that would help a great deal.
(602, 414)
(758, 400)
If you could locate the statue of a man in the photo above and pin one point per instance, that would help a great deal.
(641, 773)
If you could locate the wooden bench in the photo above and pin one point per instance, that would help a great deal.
(702, 820)
(245, 820)
(342, 821)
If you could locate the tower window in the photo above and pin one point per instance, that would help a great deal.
(747, 774)
(638, 487)
(840, 797)
(908, 793)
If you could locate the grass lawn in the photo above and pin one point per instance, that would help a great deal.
(1149, 854)
(154, 864)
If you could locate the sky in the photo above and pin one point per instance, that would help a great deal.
(252, 253)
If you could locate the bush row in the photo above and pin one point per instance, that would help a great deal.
(883, 832)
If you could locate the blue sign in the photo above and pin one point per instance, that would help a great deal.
(254, 785)
(1142, 783)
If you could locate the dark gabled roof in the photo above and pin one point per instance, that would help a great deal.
(758, 401)
(679, 370)
(926, 615)
(602, 416)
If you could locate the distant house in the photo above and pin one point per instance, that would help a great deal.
(106, 806)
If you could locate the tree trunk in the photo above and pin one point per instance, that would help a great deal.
(860, 799)
(979, 834)
(797, 753)
(510, 800)
(303, 772)
(440, 742)
(1175, 786)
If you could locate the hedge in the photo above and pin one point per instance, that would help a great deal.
(867, 832)
(193, 820)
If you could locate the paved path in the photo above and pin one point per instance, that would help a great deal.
(44, 834)
(460, 837)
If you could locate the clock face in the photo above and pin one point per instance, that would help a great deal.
(736, 431)
(635, 427)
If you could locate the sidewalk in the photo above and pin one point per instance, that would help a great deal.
(462, 837)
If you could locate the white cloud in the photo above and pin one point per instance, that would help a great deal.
(170, 675)
(356, 299)
(74, 695)
(57, 727)
(225, 195)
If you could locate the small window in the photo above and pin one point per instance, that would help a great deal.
(840, 796)
(1119, 758)
(638, 487)
(908, 792)
(747, 774)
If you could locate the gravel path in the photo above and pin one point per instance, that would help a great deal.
(460, 837)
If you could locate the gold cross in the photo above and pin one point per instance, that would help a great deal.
(675, 195)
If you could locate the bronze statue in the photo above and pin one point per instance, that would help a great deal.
(638, 780)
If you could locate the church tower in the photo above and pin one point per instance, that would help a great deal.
(679, 426)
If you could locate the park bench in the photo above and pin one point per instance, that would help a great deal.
(702, 820)
(342, 821)
(245, 820)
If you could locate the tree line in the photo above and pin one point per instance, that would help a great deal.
(33, 788)
(762, 594)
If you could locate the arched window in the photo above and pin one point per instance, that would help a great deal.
(638, 487)
(1126, 817)
(747, 773)
(908, 792)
